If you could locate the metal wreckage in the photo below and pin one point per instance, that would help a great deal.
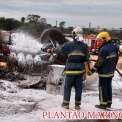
(13, 70)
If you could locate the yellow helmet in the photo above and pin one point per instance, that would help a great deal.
(104, 36)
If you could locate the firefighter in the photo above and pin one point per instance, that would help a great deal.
(105, 66)
(4, 52)
(77, 54)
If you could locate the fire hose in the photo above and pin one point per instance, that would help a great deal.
(119, 72)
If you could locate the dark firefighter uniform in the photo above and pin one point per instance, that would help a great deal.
(77, 54)
(105, 66)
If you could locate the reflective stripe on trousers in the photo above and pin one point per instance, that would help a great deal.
(73, 72)
(106, 75)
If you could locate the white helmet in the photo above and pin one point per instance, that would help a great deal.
(77, 31)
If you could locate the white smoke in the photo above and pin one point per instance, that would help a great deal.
(21, 59)
(37, 60)
(25, 43)
(29, 59)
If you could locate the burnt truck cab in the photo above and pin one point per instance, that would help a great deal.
(4, 52)
(96, 44)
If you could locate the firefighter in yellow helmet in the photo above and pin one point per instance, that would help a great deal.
(105, 67)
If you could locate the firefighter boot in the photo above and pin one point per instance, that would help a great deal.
(77, 107)
(65, 105)
(109, 105)
(101, 106)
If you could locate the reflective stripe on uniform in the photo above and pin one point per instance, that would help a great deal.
(103, 103)
(77, 102)
(76, 53)
(106, 75)
(111, 56)
(74, 72)
(109, 101)
(65, 101)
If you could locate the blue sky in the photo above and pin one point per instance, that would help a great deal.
(104, 13)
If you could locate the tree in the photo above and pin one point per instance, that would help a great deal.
(43, 20)
(11, 24)
(33, 18)
(23, 20)
(62, 24)
(2, 22)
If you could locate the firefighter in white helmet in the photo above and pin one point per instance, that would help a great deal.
(77, 34)
(77, 54)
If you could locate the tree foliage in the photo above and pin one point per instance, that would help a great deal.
(62, 24)
(35, 24)
(12, 24)
(9, 23)
(32, 24)
(2, 22)
(33, 18)
(22, 19)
